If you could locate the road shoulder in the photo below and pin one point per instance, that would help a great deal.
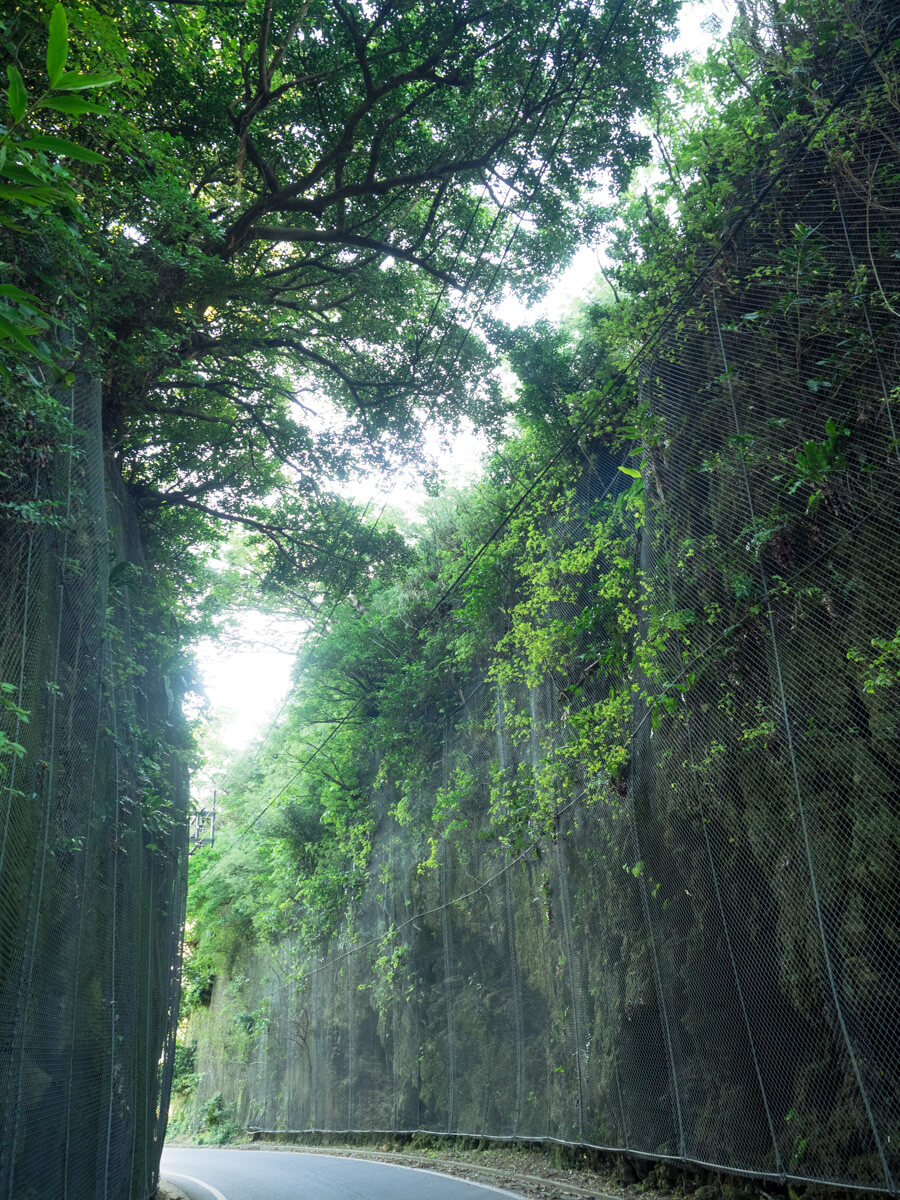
(169, 1191)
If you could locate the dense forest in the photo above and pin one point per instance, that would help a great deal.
(580, 820)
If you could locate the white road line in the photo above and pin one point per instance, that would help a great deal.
(213, 1191)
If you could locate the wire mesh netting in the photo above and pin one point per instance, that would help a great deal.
(92, 841)
(697, 958)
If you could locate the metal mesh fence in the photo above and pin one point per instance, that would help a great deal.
(698, 960)
(92, 842)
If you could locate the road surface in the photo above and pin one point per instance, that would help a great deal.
(210, 1174)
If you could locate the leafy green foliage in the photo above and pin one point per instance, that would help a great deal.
(184, 1076)
(882, 669)
(8, 747)
(42, 250)
(562, 598)
(274, 312)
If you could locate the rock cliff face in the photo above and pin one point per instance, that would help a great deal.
(694, 956)
(643, 895)
(92, 833)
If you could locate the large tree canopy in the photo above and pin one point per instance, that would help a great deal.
(307, 211)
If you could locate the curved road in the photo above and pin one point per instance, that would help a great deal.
(209, 1174)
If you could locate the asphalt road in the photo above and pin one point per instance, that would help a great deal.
(209, 1174)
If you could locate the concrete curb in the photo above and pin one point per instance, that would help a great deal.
(169, 1191)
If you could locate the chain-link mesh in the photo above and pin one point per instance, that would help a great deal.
(698, 960)
(92, 843)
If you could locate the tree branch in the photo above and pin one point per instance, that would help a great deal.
(188, 413)
(291, 233)
(181, 500)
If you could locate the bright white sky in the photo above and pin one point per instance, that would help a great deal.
(247, 679)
